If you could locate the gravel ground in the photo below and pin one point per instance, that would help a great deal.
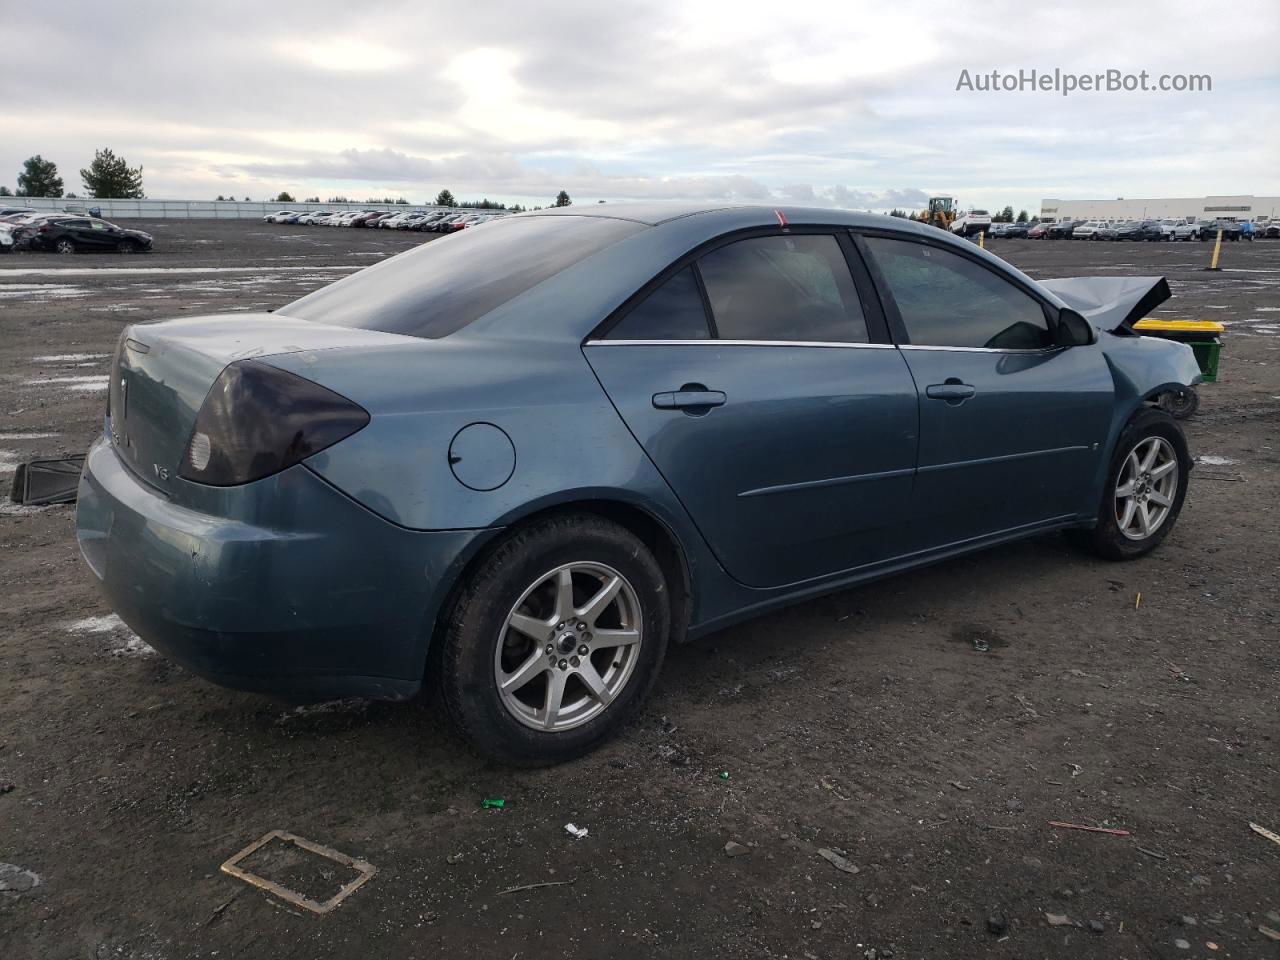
(868, 724)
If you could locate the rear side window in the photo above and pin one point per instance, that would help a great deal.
(794, 288)
(438, 288)
(672, 312)
(947, 300)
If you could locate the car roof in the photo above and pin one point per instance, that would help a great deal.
(660, 212)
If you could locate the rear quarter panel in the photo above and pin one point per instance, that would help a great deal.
(570, 444)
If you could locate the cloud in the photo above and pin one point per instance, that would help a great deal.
(848, 102)
(499, 173)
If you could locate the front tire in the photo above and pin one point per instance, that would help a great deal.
(555, 641)
(1146, 487)
(1181, 404)
(65, 247)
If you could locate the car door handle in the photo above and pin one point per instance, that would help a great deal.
(686, 399)
(953, 391)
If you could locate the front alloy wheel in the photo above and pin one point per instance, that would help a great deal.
(1146, 487)
(65, 247)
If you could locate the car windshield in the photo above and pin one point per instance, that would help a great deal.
(440, 287)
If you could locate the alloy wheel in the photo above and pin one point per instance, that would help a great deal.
(569, 646)
(65, 246)
(1146, 488)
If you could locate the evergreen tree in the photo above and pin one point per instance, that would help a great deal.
(39, 178)
(445, 199)
(285, 197)
(1022, 216)
(111, 176)
(562, 200)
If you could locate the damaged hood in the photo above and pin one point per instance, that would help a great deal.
(1113, 304)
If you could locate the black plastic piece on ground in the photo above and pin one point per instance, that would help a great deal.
(40, 482)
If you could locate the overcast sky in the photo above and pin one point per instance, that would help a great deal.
(850, 104)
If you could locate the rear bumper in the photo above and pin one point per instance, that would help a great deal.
(284, 586)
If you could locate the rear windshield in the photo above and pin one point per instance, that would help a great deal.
(438, 288)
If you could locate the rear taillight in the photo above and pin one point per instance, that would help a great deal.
(258, 420)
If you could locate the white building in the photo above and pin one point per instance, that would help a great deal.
(1241, 207)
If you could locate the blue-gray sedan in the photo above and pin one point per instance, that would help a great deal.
(521, 460)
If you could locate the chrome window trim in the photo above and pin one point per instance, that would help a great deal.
(929, 346)
(714, 342)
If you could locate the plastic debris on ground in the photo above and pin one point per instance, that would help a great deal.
(575, 831)
(493, 803)
(838, 860)
(42, 482)
(1264, 832)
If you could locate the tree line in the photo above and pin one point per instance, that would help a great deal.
(444, 198)
(107, 176)
(1004, 216)
(110, 176)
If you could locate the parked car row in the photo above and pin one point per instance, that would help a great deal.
(1150, 230)
(434, 221)
(52, 232)
(1009, 230)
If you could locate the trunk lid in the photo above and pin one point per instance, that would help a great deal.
(162, 372)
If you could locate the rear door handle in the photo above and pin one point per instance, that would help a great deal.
(685, 399)
(953, 391)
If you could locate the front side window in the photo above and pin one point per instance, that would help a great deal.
(672, 312)
(795, 288)
(947, 300)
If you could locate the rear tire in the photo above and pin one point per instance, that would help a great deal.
(65, 247)
(1136, 489)
(533, 698)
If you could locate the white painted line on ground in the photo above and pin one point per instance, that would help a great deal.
(161, 271)
(79, 381)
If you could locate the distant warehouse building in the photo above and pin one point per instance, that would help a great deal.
(1180, 208)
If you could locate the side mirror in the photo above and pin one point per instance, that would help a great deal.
(1074, 330)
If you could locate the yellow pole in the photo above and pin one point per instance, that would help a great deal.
(981, 235)
(1217, 249)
